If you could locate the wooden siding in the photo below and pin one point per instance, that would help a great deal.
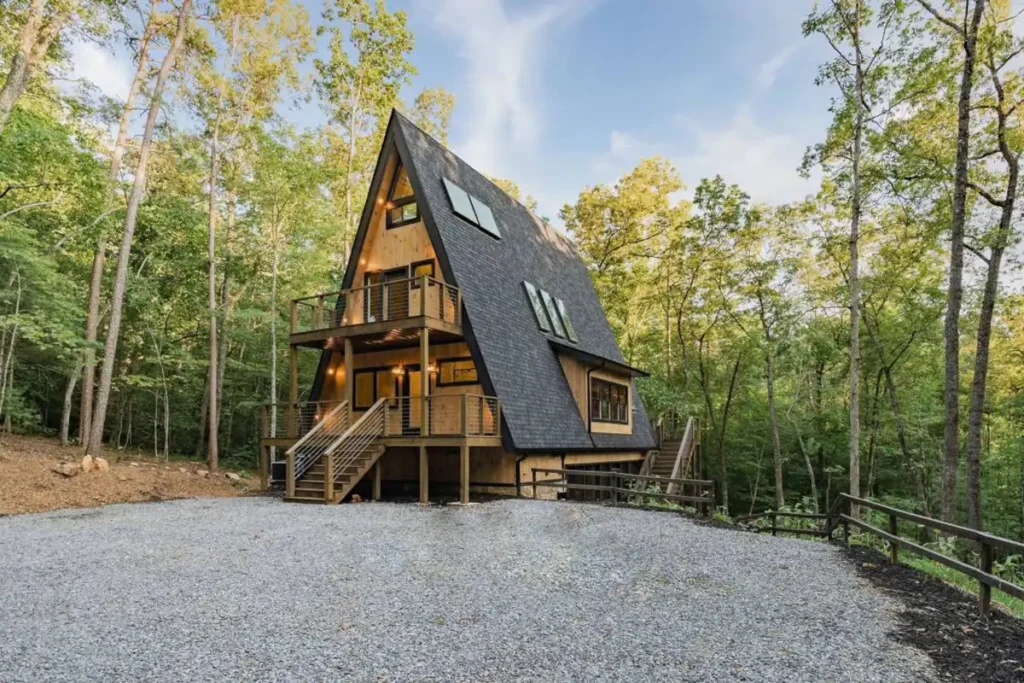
(576, 376)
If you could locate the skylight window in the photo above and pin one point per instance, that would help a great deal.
(471, 209)
(538, 307)
(569, 331)
(485, 217)
(549, 306)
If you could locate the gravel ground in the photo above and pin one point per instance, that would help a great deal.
(254, 589)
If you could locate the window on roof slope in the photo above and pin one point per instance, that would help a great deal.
(538, 307)
(485, 217)
(471, 209)
(549, 306)
(569, 331)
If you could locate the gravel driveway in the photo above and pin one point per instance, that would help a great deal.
(255, 589)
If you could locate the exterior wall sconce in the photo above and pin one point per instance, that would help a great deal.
(398, 371)
(432, 368)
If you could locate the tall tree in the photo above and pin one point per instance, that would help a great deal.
(967, 34)
(131, 215)
(92, 320)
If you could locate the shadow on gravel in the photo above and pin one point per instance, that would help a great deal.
(944, 623)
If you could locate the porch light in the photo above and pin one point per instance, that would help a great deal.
(398, 371)
(330, 371)
(432, 368)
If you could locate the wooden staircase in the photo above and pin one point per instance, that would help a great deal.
(333, 466)
(310, 487)
(665, 460)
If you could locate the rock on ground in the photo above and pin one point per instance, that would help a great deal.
(256, 589)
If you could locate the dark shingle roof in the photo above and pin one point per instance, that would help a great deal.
(520, 365)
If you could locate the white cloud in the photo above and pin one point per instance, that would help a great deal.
(111, 75)
(767, 71)
(500, 54)
(762, 162)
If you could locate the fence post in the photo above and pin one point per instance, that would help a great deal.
(985, 590)
(894, 549)
(534, 472)
(264, 467)
(774, 527)
(615, 489)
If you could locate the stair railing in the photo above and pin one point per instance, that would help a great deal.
(347, 448)
(307, 450)
(686, 447)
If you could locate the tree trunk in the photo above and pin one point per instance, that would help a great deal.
(780, 496)
(92, 320)
(988, 305)
(121, 278)
(855, 209)
(951, 325)
(37, 35)
(273, 342)
(65, 416)
(723, 448)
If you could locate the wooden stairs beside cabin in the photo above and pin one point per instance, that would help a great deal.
(311, 486)
(326, 464)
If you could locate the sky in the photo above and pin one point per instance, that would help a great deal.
(565, 94)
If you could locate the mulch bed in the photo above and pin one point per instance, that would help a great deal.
(944, 622)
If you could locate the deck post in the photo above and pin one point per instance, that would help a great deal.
(349, 377)
(894, 550)
(425, 381)
(294, 317)
(423, 296)
(264, 466)
(329, 477)
(289, 476)
(376, 480)
(464, 473)
(293, 391)
(464, 415)
(424, 475)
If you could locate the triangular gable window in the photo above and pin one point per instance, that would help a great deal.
(402, 207)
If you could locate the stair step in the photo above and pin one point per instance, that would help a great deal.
(304, 499)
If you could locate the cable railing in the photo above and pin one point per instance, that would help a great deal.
(307, 450)
(443, 415)
(388, 301)
(293, 420)
(352, 445)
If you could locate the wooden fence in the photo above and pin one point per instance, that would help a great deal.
(701, 491)
(985, 543)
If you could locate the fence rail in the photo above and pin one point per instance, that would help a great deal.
(703, 496)
(380, 302)
(985, 542)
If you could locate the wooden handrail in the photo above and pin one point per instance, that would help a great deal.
(319, 297)
(704, 501)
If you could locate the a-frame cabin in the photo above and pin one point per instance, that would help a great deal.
(466, 347)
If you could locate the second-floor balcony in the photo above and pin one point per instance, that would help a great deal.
(377, 310)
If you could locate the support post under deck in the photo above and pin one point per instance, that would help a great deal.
(464, 474)
(424, 474)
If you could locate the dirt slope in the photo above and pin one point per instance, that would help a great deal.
(29, 484)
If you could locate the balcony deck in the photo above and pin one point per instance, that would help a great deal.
(378, 316)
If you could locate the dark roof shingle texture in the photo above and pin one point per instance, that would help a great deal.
(537, 404)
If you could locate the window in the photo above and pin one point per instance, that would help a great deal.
(454, 371)
(538, 308)
(569, 331)
(485, 219)
(549, 306)
(372, 385)
(609, 402)
(471, 209)
(402, 207)
(419, 269)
